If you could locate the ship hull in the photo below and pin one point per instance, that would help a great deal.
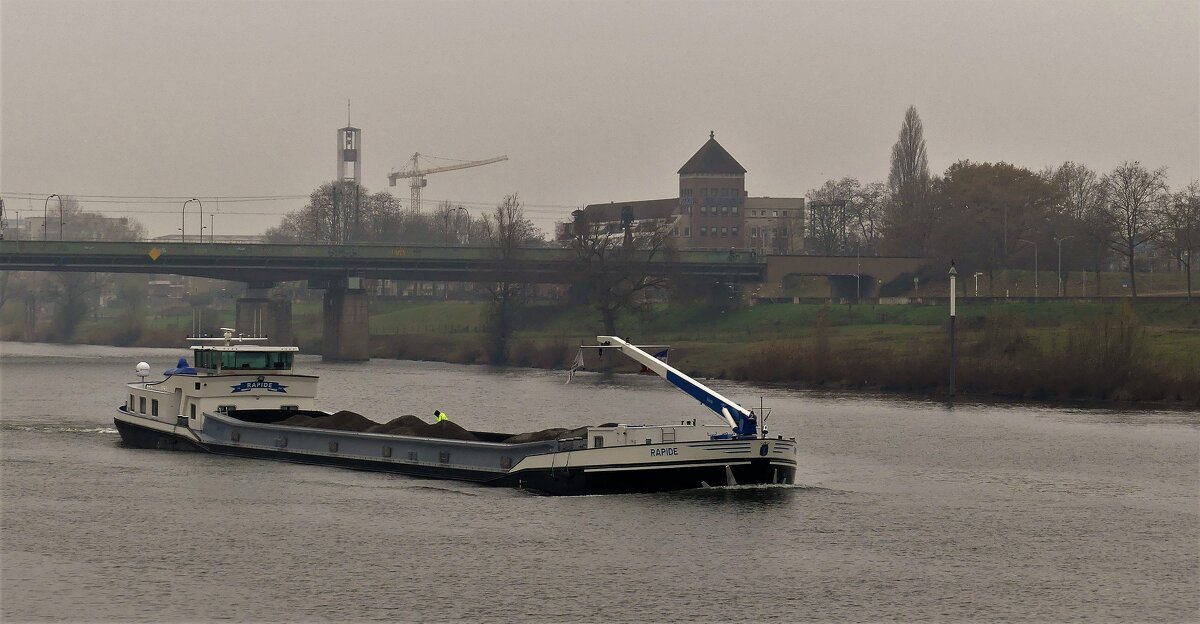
(541, 467)
(148, 434)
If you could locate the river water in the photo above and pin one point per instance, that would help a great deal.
(905, 510)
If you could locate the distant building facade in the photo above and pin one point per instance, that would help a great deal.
(713, 210)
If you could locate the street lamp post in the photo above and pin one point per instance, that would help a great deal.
(953, 342)
(1060, 275)
(1035, 265)
(46, 215)
(183, 219)
(467, 240)
(977, 274)
(858, 273)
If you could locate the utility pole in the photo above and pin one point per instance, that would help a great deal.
(953, 341)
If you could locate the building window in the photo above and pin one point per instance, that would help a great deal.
(774, 213)
(674, 231)
(724, 210)
(785, 213)
(734, 209)
(687, 231)
(724, 232)
(703, 209)
(754, 232)
(704, 231)
(724, 192)
(733, 231)
(703, 192)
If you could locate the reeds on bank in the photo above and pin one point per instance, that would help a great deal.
(1099, 359)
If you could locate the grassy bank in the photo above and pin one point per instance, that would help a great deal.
(1142, 352)
(1146, 351)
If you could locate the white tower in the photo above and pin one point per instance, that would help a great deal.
(349, 152)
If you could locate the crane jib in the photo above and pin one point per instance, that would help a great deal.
(700, 394)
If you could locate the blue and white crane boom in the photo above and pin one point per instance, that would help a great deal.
(741, 420)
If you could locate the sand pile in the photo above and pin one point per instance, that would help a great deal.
(413, 426)
(555, 433)
(299, 420)
(410, 425)
(402, 425)
(344, 420)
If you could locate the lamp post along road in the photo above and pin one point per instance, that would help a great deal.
(1035, 265)
(466, 240)
(858, 273)
(1060, 273)
(46, 215)
(183, 220)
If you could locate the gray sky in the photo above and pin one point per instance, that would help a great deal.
(591, 101)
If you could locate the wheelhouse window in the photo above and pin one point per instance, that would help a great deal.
(154, 407)
(242, 360)
(142, 405)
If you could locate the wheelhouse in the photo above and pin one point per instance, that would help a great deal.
(218, 359)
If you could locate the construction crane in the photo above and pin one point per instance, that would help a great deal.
(416, 175)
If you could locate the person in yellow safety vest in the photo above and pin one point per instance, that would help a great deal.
(439, 416)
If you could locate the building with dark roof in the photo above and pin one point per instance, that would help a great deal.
(712, 210)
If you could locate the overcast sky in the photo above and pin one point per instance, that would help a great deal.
(591, 101)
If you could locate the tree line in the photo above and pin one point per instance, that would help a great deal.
(991, 217)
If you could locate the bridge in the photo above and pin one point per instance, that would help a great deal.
(341, 269)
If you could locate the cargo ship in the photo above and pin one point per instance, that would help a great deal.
(242, 397)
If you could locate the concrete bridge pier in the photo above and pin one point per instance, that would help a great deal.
(260, 314)
(346, 332)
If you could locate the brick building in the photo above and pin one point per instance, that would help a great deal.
(713, 210)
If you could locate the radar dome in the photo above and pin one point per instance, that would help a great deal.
(143, 369)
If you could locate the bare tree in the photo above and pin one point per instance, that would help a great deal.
(75, 294)
(845, 216)
(1180, 232)
(1079, 215)
(510, 233)
(619, 270)
(1134, 197)
(868, 215)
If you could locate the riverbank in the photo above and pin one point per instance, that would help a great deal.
(1132, 352)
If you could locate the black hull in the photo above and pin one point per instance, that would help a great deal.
(578, 481)
(144, 437)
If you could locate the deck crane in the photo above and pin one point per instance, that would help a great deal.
(742, 421)
(416, 175)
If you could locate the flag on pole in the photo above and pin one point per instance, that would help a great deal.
(576, 365)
